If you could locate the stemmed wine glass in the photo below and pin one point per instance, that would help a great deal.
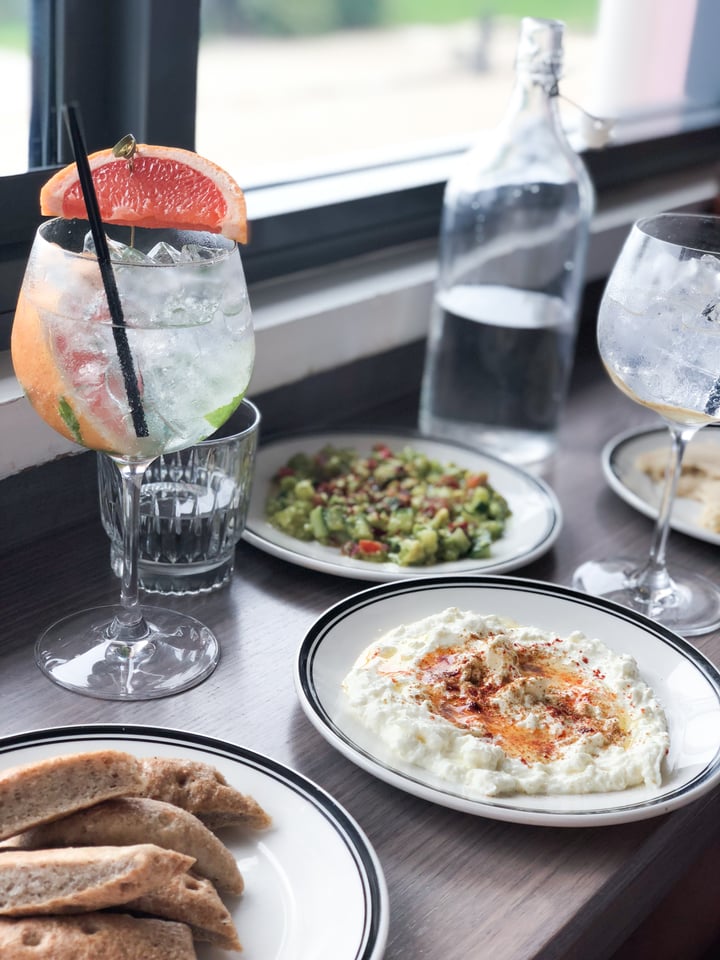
(659, 338)
(166, 378)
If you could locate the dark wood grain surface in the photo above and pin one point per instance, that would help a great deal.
(460, 886)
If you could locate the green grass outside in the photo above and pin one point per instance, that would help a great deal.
(14, 35)
(576, 13)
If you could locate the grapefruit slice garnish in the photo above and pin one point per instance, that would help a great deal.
(154, 187)
(49, 391)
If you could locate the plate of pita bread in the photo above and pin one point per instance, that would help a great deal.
(154, 844)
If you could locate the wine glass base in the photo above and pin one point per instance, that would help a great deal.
(691, 607)
(78, 653)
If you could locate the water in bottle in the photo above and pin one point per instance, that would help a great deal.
(512, 245)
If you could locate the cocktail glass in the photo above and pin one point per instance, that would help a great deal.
(659, 338)
(173, 373)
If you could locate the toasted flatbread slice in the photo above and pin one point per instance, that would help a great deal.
(194, 901)
(47, 789)
(138, 820)
(79, 879)
(201, 789)
(95, 936)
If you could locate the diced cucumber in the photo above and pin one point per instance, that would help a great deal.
(454, 544)
(317, 523)
(335, 519)
(441, 518)
(401, 521)
(304, 490)
(411, 553)
(359, 528)
(480, 549)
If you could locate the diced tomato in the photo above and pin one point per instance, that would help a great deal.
(285, 472)
(449, 481)
(370, 546)
(475, 480)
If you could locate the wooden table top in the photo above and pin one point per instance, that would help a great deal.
(460, 886)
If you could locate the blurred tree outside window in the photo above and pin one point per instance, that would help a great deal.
(286, 88)
(15, 82)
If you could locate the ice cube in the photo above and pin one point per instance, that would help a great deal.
(234, 302)
(195, 252)
(712, 404)
(122, 253)
(164, 252)
(119, 252)
(695, 296)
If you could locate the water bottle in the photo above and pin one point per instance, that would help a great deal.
(513, 238)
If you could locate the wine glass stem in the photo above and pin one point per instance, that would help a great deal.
(130, 626)
(652, 580)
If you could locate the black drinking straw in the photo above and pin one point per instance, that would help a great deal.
(108, 277)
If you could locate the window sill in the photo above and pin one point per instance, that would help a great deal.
(323, 319)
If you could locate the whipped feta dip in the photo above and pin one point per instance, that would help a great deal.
(498, 708)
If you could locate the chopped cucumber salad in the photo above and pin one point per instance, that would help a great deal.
(403, 507)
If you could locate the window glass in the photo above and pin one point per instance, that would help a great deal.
(655, 63)
(15, 82)
(285, 87)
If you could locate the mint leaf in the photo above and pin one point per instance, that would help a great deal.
(69, 419)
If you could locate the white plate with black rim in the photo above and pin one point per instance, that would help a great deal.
(619, 463)
(686, 683)
(531, 530)
(314, 888)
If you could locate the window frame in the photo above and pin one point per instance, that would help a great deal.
(142, 48)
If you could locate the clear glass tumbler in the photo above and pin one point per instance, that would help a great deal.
(193, 507)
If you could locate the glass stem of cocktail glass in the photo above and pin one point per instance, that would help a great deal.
(128, 631)
(652, 584)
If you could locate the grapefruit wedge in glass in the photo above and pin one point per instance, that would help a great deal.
(154, 187)
(183, 331)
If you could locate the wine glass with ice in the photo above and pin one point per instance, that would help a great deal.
(659, 338)
(163, 379)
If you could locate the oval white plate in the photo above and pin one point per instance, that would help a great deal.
(314, 889)
(687, 685)
(531, 531)
(619, 456)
